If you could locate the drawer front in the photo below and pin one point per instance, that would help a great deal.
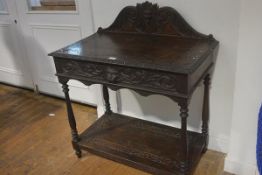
(119, 75)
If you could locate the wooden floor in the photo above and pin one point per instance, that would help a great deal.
(35, 139)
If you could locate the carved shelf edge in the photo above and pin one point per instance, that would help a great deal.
(179, 98)
(110, 137)
(149, 18)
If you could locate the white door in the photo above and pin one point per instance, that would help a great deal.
(48, 25)
(13, 69)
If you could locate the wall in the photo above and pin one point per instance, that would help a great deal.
(217, 17)
(234, 101)
(248, 91)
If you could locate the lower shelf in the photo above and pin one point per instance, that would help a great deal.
(141, 144)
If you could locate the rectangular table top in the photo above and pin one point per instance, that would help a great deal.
(157, 52)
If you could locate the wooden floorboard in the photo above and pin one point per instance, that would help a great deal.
(34, 142)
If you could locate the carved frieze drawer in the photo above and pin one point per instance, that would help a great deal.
(119, 75)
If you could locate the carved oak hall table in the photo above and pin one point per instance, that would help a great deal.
(150, 50)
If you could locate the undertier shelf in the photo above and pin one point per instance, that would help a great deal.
(148, 146)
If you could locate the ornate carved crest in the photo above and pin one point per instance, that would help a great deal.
(151, 19)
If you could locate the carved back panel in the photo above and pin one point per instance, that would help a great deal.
(149, 18)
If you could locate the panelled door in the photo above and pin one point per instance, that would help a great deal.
(13, 67)
(48, 25)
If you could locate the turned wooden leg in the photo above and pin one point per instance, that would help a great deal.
(184, 140)
(106, 99)
(205, 112)
(72, 122)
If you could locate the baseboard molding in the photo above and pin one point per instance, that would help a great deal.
(240, 168)
(16, 78)
(17, 86)
(100, 111)
(219, 144)
(76, 93)
(11, 71)
(257, 172)
(61, 97)
(76, 84)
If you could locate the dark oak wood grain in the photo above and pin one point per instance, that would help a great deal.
(72, 121)
(151, 50)
(141, 144)
(106, 99)
(165, 53)
(205, 111)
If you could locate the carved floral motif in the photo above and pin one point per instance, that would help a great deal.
(121, 75)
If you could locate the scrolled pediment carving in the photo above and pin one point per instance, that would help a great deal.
(149, 18)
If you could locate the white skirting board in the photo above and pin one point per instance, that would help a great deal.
(240, 168)
(14, 77)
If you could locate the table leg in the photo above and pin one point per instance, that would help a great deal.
(72, 122)
(205, 112)
(184, 140)
(106, 99)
